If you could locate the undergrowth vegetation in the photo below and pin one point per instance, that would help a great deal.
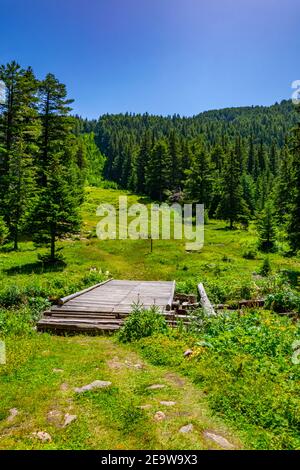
(243, 363)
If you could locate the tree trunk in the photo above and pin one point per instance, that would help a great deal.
(52, 252)
(16, 239)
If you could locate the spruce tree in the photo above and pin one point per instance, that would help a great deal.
(283, 186)
(158, 171)
(232, 206)
(293, 228)
(176, 160)
(198, 187)
(22, 130)
(266, 227)
(56, 211)
(142, 160)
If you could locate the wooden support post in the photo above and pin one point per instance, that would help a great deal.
(171, 299)
(205, 302)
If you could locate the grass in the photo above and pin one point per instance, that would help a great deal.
(214, 394)
(220, 264)
(106, 419)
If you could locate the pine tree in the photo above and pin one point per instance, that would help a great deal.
(56, 124)
(252, 163)
(266, 227)
(158, 171)
(262, 159)
(56, 213)
(293, 228)
(176, 160)
(283, 186)
(142, 160)
(232, 206)
(22, 132)
(273, 159)
(198, 187)
(217, 158)
(57, 208)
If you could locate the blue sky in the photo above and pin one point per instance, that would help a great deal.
(159, 56)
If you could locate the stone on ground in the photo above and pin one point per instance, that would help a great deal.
(159, 416)
(94, 385)
(13, 412)
(187, 428)
(167, 403)
(220, 440)
(42, 436)
(69, 419)
(155, 387)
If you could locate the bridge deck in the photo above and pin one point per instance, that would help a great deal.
(104, 306)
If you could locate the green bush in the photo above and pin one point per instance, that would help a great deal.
(243, 363)
(249, 253)
(142, 323)
(16, 322)
(266, 269)
(163, 350)
(283, 301)
(3, 231)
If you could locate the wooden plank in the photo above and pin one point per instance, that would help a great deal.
(63, 300)
(205, 302)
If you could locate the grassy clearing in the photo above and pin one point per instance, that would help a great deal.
(245, 377)
(106, 419)
(220, 265)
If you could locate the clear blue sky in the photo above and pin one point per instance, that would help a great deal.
(159, 56)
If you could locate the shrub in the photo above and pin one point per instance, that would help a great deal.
(3, 231)
(249, 253)
(266, 269)
(11, 296)
(163, 350)
(94, 277)
(283, 301)
(16, 322)
(142, 323)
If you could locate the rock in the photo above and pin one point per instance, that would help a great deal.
(168, 403)
(42, 436)
(92, 386)
(188, 352)
(220, 440)
(145, 407)
(57, 371)
(69, 419)
(155, 387)
(13, 412)
(187, 428)
(55, 417)
(64, 387)
(138, 366)
(159, 416)
(114, 364)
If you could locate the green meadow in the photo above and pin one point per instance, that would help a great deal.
(239, 383)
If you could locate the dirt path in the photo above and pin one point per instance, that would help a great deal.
(143, 407)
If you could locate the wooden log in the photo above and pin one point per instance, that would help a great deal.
(205, 302)
(170, 301)
(63, 300)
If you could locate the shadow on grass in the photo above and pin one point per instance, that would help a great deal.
(36, 268)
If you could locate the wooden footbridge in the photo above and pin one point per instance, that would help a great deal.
(104, 306)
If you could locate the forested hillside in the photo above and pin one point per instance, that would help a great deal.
(159, 155)
(242, 163)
